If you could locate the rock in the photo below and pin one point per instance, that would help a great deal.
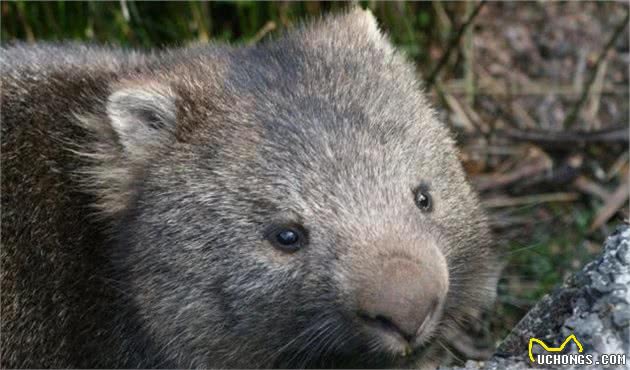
(593, 304)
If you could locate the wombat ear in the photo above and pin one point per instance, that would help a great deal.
(361, 27)
(142, 115)
(363, 20)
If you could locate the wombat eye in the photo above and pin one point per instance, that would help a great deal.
(287, 238)
(422, 198)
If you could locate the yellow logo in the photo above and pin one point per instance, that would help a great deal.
(552, 349)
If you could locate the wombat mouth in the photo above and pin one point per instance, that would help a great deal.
(381, 323)
(365, 348)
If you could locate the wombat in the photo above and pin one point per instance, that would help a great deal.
(294, 203)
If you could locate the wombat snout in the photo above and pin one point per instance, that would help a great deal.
(401, 303)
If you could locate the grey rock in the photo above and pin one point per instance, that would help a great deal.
(593, 304)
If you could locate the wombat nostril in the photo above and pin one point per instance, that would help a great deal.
(383, 323)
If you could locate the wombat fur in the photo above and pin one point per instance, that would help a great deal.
(140, 190)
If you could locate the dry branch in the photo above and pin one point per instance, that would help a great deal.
(504, 201)
(557, 139)
(616, 200)
(268, 27)
(452, 44)
(502, 180)
(590, 187)
(572, 116)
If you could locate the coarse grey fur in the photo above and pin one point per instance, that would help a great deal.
(137, 189)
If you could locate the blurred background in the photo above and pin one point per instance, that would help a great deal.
(536, 94)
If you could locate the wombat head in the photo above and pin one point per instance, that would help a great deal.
(294, 203)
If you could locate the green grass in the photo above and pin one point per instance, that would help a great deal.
(156, 24)
(555, 251)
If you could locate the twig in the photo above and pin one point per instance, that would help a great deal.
(613, 203)
(572, 116)
(618, 166)
(486, 87)
(522, 116)
(454, 42)
(501, 180)
(504, 220)
(21, 12)
(125, 10)
(580, 68)
(469, 56)
(268, 27)
(201, 14)
(561, 174)
(590, 187)
(498, 202)
(595, 97)
(523, 119)
(618, 134)
(443, 21)
(460, 114)
(480, 125)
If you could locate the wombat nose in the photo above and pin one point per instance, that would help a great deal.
(403, 298)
